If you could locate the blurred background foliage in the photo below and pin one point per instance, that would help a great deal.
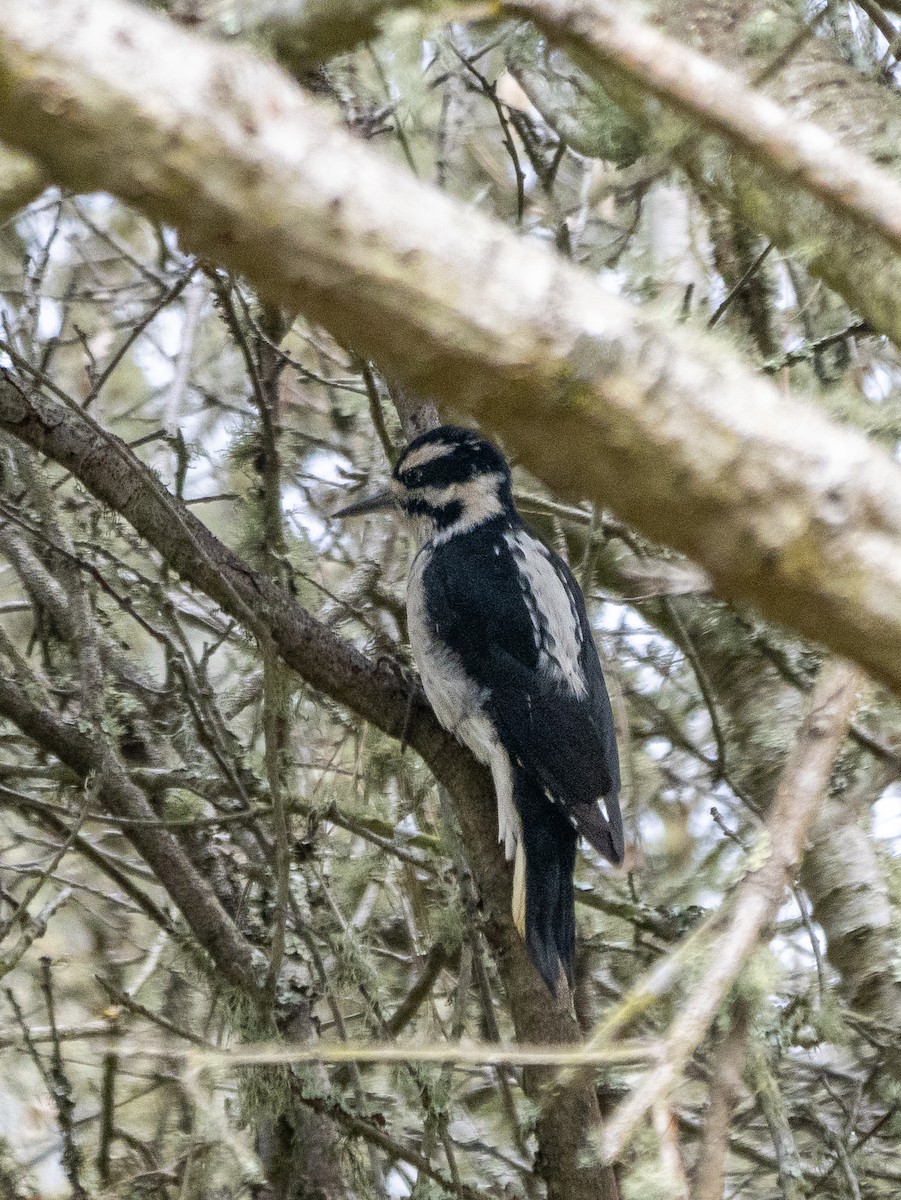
(264, 426)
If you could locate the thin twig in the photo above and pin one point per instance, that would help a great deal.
(152, 313)
(61, 1091)
(463, 1054)
(742, 282)
(766, 1089)
(123, 999)
(725, 1085)
(490, 90)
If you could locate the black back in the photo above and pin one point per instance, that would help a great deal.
(565, 742)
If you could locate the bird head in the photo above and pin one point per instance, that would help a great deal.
(447, 481)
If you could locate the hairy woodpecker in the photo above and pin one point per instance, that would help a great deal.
(502, 641)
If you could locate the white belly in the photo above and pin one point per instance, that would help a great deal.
(459, 705)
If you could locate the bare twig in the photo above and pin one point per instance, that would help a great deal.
(21, 911)
(61, 1091)
(34, 927)
(123, 999)
(162, 301)
(107, 1115)
(211, 925)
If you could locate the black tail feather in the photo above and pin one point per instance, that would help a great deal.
(605, 835)
(549, 841)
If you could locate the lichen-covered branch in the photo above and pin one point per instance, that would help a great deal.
(107, 468)
(306, 32)
(841, 872)
(793, 150)
(756, 39)
(211, 925)
(758, 897)
(846, 883)
(574, 105)
(725, 1089)
(759, 709)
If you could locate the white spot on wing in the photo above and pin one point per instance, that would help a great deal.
(559, 640)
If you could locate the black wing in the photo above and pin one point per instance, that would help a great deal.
(479, 608)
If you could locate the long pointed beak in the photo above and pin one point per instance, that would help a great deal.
(380, 502)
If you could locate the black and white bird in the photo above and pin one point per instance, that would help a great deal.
(500, 635)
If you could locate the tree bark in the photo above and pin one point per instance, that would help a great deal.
(21, 179)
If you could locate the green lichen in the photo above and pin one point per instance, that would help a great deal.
(447, 924)
(572, 103)
(649, 1180)
(182, 805)
(760, 979)
(767, 32)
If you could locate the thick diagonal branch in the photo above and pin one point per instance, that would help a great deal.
(115, 476)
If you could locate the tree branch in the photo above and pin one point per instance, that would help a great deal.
(213, 928)
(110, 470)
(757, 898)
(812, 84)
(21, 179)
(725, 1084)
(306, 32)
(797, 152)
(841, 872)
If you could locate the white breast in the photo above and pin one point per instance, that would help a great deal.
(452, 694)
(459, 703)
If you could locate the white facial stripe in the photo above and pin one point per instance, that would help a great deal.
(426, 454)
(468, 492)
(560, 643)
(478, 499)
